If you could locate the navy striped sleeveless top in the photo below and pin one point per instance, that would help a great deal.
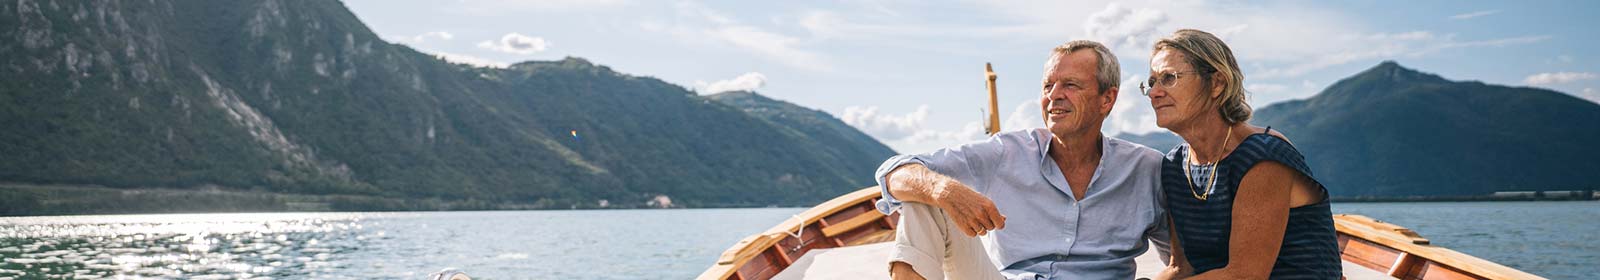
(1310, 247)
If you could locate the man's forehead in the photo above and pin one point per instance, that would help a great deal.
(1077, 64)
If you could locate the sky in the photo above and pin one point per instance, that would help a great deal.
(910, 73)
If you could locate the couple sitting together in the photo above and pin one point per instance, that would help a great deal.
(1236, 201)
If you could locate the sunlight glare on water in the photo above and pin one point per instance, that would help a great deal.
(194, 246)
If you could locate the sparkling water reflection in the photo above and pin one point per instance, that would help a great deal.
(204, 246)
(1552, 239)
(618, 244)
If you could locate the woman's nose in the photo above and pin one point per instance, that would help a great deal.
(1157, 92)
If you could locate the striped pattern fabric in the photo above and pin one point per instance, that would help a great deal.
(1310, 248)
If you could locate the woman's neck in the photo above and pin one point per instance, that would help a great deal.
(1209, 139)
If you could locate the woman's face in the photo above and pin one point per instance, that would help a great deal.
(1182, 102)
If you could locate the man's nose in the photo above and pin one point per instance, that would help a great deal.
(1055, 93)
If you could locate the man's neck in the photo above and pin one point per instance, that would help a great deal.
(1076, 150)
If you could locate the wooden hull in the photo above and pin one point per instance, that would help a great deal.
(851, 219)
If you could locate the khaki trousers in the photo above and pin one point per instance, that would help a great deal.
(928, 240)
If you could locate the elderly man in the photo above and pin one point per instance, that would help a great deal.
(1060, 202)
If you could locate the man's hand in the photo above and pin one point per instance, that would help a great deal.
(903, 271)
(1172, 273)
(974, 213)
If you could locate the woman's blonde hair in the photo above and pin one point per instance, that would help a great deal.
(1209, 55)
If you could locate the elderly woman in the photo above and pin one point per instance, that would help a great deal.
(1243, 203)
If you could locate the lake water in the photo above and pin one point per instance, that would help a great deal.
(1553, 239)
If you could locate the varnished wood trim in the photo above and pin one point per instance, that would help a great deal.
(864, 218)
(742, 252)
(1385, 234)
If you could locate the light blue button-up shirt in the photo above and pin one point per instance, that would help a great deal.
(1050, 234)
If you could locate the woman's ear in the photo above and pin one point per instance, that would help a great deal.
(1216, 84)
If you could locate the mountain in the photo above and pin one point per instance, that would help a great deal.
(300, 97)
(850, 148)
(1392, 131)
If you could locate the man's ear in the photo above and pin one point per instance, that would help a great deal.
(1108, 100)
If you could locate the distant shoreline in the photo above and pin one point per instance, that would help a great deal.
(1572, 195)
(19, 199)
(1452, 199)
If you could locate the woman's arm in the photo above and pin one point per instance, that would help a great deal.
(1177, 266)
(1260, 218)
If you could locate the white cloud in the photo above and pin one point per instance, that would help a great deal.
(1473, 14)
(928, 140)
(1558, 78)
(747, 82)
(782, 48)
(1384, 46)
(1132, 113)
(1125, 28)
(1502, 42)
(467, 59)
(700, 25)
(1025, 115)
(1407, 36)
(516, 43)
(1264, 87)
(695, 9)
(885, 126)
(1591, 94)
(525, 7)
(835, 25)
(424, 37)
(909, 133)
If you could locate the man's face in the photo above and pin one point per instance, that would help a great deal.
(1071, 98)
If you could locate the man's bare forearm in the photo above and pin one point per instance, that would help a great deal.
(914, 183)
(974, 213)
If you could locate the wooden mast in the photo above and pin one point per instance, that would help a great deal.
(993, 125)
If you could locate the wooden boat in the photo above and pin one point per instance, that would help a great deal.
(1371, 249)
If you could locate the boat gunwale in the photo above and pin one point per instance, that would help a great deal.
(1356, 227)
(741, 252)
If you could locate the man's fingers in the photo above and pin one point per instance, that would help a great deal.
(963, 223)
(983, 221)
(969, 229)
(975, 224)
(999, 220)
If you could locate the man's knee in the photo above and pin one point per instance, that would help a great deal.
(924, 213)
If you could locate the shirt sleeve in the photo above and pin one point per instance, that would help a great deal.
(1160, 233)
(960, 163)
(1161, 237)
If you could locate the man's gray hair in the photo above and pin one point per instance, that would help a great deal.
(1109, 74)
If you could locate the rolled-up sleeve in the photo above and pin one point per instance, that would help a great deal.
(889, 204)
(957, 163)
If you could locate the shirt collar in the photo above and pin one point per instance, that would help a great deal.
(1044, 137)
